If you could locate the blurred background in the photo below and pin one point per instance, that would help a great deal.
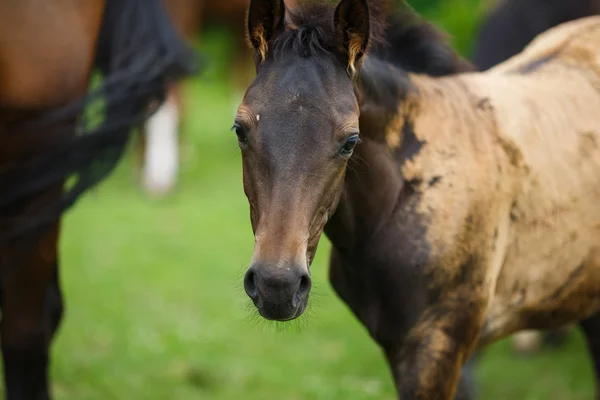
(155, 307)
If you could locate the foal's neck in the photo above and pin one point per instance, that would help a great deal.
(401, 116)
(373, 180)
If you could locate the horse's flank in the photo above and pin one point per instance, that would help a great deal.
(139, 54)
(515, 165)
(43, 64)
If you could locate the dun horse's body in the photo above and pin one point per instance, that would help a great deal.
(510, 26)
(461, 209)
(47, 53)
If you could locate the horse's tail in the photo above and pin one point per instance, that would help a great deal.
(139, 53)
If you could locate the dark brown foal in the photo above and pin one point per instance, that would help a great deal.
(461, 206)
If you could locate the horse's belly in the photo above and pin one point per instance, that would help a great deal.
(547, 286)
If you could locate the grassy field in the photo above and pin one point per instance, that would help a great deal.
(155, 307)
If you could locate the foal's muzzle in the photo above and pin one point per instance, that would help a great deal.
(279, 293)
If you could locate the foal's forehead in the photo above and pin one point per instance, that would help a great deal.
(302, 83)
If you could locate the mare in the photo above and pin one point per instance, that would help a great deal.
(461, 206)
(158, 146)
(505, 31)
(159, 150)
(47, 54)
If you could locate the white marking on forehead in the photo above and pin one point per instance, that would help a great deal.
(257, 117)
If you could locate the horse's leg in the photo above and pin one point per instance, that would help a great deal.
(556, 337)
(31, 313)
(427, 365)
(591, 329)
(530, 341)
(160, 151)
(159, 142)
(527, 342)
(466, 389)
(54, 306)
(385, 320)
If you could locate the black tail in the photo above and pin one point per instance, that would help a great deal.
(139, 54)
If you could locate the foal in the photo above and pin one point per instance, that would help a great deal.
(460, 209)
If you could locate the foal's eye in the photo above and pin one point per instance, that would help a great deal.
(349, 145)
(240, 133)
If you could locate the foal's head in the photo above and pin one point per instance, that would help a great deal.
(297, 128)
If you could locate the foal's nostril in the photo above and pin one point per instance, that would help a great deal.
(250, 285)
(304, 287)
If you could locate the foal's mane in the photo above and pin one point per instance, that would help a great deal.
(398, 35)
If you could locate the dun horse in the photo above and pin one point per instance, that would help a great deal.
(461, 209)
(510, 26)
(47, 54)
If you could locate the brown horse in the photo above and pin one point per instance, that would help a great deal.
(159, 145)
(460, 209)
(505, 31)
(47, 53)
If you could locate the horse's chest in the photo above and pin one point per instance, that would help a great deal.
(382, 283)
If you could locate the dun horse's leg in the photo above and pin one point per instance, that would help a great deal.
(428, 363)
(556, 337)
(591, 329)
(466, 389)
(385, 318)
(31, 313)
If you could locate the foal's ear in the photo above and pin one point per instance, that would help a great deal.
(265, 20)
(352, 25)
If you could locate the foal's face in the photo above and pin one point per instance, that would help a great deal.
(297, 127)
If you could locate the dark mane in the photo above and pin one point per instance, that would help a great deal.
(398, 35)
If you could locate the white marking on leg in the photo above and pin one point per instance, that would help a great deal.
(526, 342)
(161, 156)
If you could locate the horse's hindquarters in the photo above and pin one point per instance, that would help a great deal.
(48, 59)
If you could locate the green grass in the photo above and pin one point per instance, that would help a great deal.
(155, 307)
